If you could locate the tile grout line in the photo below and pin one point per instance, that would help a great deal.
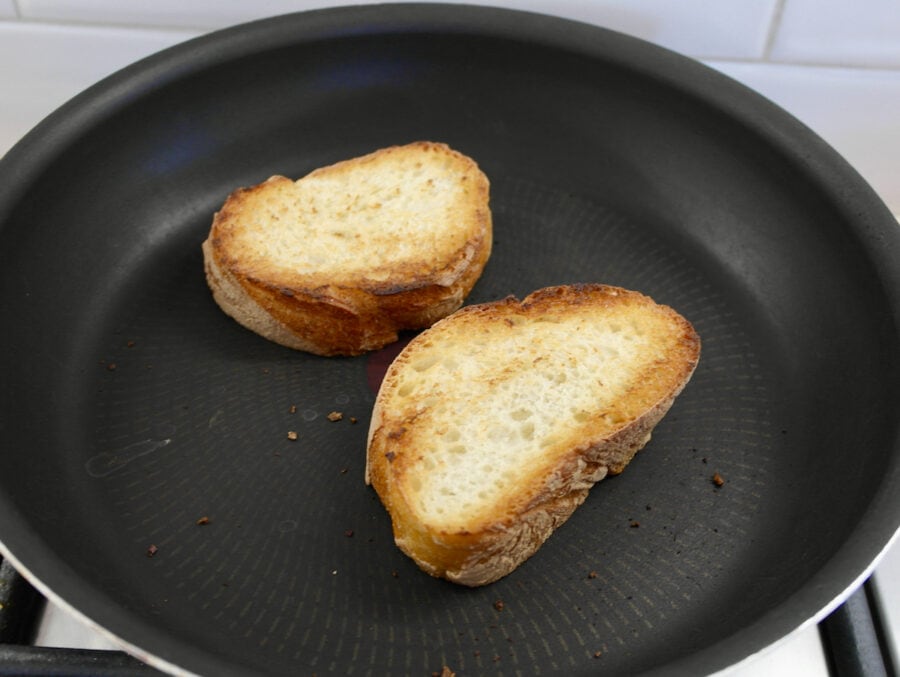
(774, 27)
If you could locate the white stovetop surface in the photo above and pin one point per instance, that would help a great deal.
(49, 52)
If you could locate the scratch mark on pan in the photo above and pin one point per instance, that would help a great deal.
(108, 462)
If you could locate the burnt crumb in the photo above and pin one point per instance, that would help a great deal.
(395, 574)
(390, 456)
(353, 419)
(292, 435)
(335, 416)
(203, 521)
(498, 605)
(130, 344)
(717, 479)
(704, 461)
(649, 508)
(152, 550)
(345, 470)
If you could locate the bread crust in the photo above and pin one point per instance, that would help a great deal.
(337, 306)
(486, 546)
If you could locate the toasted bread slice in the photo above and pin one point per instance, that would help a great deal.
(339, 261)
(491, 426)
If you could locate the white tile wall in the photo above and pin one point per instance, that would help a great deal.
(864, 33)
(729, 28)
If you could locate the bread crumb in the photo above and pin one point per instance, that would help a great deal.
(717, 479)
(292, 435)
(335, 416)
(349, 533)
(203, 521)
(597, 654)
(634, 524)
(592, 574)
(152, 550)
(445, 672)
(293, 409)
(498, 605)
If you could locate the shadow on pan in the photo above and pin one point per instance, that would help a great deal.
(132, 406)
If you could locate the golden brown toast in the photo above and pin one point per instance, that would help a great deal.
(339, 261)
(491, 426)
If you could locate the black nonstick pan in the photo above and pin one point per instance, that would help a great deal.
(146, 476)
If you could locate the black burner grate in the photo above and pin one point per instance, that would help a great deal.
(20, 612)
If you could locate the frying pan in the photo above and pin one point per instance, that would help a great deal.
(133, 408)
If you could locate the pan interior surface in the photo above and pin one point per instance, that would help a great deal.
(143, 421)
